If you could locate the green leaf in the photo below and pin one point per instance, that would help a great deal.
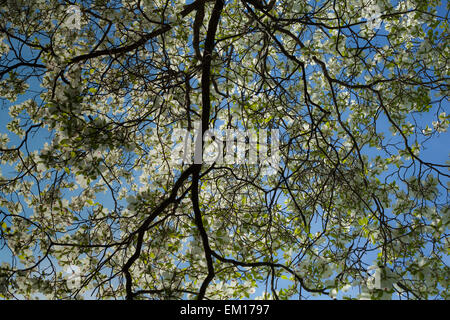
(363, 221)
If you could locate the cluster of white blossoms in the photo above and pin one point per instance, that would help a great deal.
(440, 125)
(379, 284)
(73, 19)
(372, 13)
(73, 276)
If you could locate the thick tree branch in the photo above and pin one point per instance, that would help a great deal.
(203, 235)
(206, 107)
(143, 228)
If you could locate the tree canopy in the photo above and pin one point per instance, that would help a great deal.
(92, 205)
